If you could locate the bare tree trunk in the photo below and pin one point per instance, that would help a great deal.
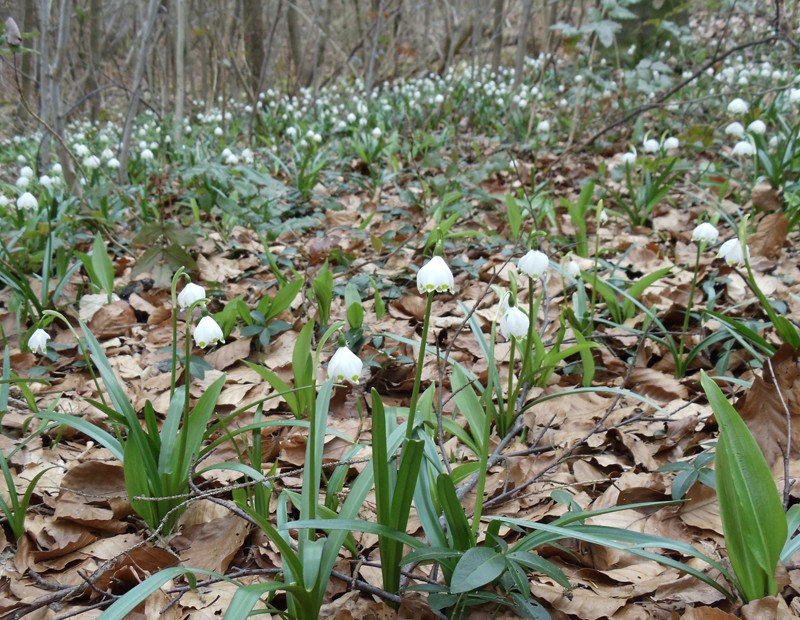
(92, 83)
(180, 72)
(322, 22)
(497, 35)
(27, 79)
(254, 40)
(522, 42)
(136, 88)
(295, 40)
(373, 55)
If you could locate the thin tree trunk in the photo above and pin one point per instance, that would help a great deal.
(180, 72)
(522, 42)
(373, 55)
(497, 35)
(136, 89)
(254, 40)
(295, 40)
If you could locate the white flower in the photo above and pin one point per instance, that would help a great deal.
(208, 332)
(91, 162)
(514, 324)
(291, 132)
(22, 182)
(218, 131)
(671, 143)
(113, 163)
(572, 269)
(376, 132)
(21, 159)
(27, 201)
(345, 366)
(3, 201)
(533, 264)
(705, 232)
(107, 154)
(651, 146)
(629, 158)
(46, 181)
(738, 106)
(248, 156)
(794, 95)
(435, 275)
(56, 169)
(735, 129)
(26, 171)
(38, 341)
(543, 127)
(602, 217)
(758, 127)
(191, 293)
(81, 150)
(232, 160)
(146, 154)
(733, 254)
(743, 149)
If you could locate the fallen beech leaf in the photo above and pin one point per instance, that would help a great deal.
(766, 197)
(706, 613)
(763, 411)
(770, 235)
(229, 354)
(115, 319)
(211, 545)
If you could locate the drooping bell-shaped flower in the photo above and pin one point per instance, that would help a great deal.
(534, 264)
(27, 201)
(514, 324)
(738, 106)
(208, 332)
(345, 366)
(705, 232)
(38, 341)
(733, 253)
(191, 293)
(435, 276)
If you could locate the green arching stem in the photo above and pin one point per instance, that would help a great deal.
(681, 370)
(174, 298)
(483, 458)
(84, 352)
(510, 400)
(412, 408)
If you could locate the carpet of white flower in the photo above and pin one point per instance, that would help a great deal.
(447, 347)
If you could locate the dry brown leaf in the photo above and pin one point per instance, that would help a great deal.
(763, 410)
(93, 493)
(706, 613)
(770, 235)
(229, 353)
(767, 608)
(115, 319)
(766, 197)
(212, 545)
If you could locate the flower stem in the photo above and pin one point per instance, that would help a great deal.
(174, 299)
(483, 459)
(681, 369)
(412, 408)
(510, 400)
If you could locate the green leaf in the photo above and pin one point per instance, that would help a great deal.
(468, 403)
(477, 567)
(752, 514)
(103, 267)
(460, 532)
(514, 216)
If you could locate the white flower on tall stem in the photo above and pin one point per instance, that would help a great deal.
(651, 146)
(208, 332)
(738, 106)
(38, 341)
(514, 324)
(743, 148)
(27, 201)
(735, 129)
(146, 154)
(572, 268)
(435, 276)
(191, 293)
(758, 127)
(534, 264)
(705, 232)
(26, 171)
(345, 366)
(671, 143)
(629, 158)
(733, 253)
